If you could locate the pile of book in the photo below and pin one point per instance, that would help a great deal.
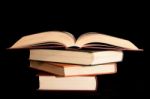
(73, 70)
(70, 64)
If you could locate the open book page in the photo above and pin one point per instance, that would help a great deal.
(64, 38)
(59, 39)
(94, 37)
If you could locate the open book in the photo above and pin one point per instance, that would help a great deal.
(90, 40)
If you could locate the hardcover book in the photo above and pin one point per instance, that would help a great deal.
(74, 70)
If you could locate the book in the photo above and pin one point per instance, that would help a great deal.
(77, 83)
(73, 70)
(76, 56)
(90, 40)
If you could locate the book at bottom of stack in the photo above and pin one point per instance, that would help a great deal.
(70, 77)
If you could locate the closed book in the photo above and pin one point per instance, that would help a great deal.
(77, 83)
(76, 57)
(72, 69)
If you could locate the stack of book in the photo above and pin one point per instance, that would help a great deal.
(73, 64)
(74, 70)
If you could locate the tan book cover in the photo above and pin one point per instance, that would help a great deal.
(74, 70)
(77, 83)
(76, 56)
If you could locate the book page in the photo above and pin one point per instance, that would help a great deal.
(64, 38)
(105, 39)
(77, 83)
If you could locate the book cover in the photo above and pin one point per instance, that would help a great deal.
(61, 69)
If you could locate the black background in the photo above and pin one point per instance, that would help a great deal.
(17, 79)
